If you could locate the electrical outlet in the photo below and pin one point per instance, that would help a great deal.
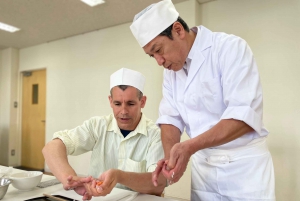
(12, 152)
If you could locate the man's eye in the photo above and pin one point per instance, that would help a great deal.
(117, 104)
(157, 51)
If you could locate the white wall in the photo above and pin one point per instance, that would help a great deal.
(8, 114)
(14, 112)
(4, 109)
(271, 27)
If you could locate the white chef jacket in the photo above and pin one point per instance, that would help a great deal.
(222, 83)
(139, 151)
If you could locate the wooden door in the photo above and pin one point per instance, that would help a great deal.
(33, 119)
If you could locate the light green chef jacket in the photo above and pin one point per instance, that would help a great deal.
(139, 151)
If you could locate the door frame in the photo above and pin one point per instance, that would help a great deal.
(18, 150)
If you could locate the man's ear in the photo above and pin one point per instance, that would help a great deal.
(178, 30)
(110, 100)
(143, 101)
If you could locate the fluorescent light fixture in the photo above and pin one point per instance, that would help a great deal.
(93, 2)
(8, 28)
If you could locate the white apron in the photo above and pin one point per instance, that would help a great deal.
(240, 174)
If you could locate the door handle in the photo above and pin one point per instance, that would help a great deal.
(43, 120)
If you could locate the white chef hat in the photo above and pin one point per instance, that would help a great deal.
(153, 20)
(129, 77)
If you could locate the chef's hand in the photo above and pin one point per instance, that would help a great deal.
(176, 165)
(157, 171)
(108, 179)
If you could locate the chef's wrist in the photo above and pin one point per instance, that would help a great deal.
(191, 146)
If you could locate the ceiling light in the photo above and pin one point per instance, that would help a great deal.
(7, 27)
(93, 2)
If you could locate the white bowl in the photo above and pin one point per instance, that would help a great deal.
(26, 181)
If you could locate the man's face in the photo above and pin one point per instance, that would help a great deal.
(171, 54)
(126, 107)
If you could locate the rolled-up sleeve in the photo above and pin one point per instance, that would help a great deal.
(242, 89)
(245, 114)
(155, 151)
(78, 140)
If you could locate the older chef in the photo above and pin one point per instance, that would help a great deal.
(125, 145)
(212, 90)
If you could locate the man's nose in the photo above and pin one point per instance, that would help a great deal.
(124, 110)
(159, 59)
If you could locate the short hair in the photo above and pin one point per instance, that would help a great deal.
(168, 31)
(123, 87)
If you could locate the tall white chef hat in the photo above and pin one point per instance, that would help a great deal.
(129, 77)
(153, 20)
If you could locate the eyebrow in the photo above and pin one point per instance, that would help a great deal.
(130, 101)
(153, 47)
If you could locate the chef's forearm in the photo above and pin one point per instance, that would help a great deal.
(56, 158)
(223, 132)
(170, 135)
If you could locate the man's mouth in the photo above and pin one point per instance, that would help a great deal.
(168, 67)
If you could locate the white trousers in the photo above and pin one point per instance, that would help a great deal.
(240, 174)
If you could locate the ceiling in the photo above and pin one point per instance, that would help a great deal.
(43, 21)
